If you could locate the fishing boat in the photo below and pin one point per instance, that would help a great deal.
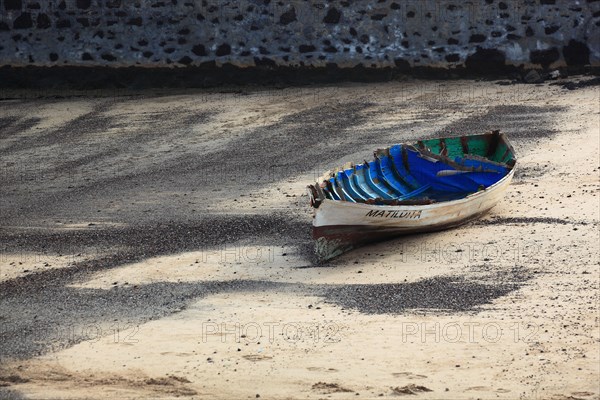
(415, 187)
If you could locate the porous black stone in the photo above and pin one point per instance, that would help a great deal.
(544, 57)
(84, 4)
(13, 5)
(185, 60)
(199, 50)
(63, 23)
(43, 21)
(529, 32)
(23, 21)
(137, 21)
(265, 62)
(333, 16)
(108, 57)
(223, 50)
(486, 61)
(576, 53)
(288, 17)
(477, 38)
(401, 64)
(306, 48)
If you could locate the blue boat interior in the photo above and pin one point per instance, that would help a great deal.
(428, 171)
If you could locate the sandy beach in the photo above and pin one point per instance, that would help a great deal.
(157, 244)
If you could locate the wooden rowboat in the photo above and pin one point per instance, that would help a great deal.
(424, 186)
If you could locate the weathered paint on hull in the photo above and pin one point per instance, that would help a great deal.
(341, 226)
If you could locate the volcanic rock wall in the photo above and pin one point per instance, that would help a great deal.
(377, 33)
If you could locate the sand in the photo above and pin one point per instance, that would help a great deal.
(136, 264)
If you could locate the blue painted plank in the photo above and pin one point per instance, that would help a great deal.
(343, 189)
(332, 189)
(396, 153)
(386, 170)
(360, 181)
(349, 185)
(378, 184)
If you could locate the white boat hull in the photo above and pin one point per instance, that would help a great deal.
(339, 226)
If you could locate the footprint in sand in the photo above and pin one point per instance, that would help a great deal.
(574, 396)
(410, 390)
(256, 357)
(329, 388)
(321, 369)
(408, 375)
(480, 389)
(171, 353)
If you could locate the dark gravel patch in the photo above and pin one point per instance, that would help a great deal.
(9, 394)
(571, 85)
(440, 294)
(518, 122)
(53, 318)
(136, 243)
(296, 144)
(14, 125)
(37, 306)
(526, 172)
(528, 220)
(91, 122)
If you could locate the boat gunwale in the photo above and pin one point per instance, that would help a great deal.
(425, 206)
(434, 205)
